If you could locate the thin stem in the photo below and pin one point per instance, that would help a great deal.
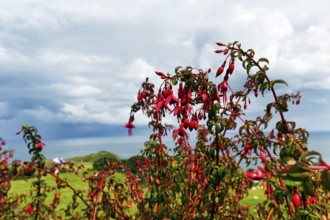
(289, 207)
(266, 77)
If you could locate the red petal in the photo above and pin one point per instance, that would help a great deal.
(159, 105)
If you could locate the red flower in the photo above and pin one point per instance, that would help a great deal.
(261, 169)
(130, 127)
(29, 209)
(39, 145)
(263, 157)
(231, 67)
(137, 162)
(255, 175)
(223, 87)
(247, 148)
(269, 191)
(193, 125)
(57, 179)
(312, 200)
(180, 131)
(296, 200)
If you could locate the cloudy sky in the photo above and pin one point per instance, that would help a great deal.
(73, 68)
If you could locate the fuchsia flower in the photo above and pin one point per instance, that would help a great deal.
(130, 127)
(296, 200)
(180, 131)
(247, 148)
(269, 191)
(39, 145)
(263, 157)
(312, 200)
(223, 87)
(255, 175)
(231, 67)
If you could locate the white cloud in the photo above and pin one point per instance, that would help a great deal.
(83, 61)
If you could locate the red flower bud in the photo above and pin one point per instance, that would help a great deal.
(261, 169)
(312, 200)
(137, 162)
(196, 167)
(40, 145)
(219, 51)
(263, 157)
(220, 44)
(296, 200)
(231, 67)
(219, 71)
(186, 123)
(160, 74)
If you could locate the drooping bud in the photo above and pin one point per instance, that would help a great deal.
(263, 157)
(186, 123)
(296, 200)
(220, 44)
(256, 93)
(219, 71)
(219, 51)
(231, 67)
(159, 73)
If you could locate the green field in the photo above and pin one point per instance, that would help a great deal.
(23, 186)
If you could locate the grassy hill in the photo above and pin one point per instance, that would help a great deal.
(95, 156)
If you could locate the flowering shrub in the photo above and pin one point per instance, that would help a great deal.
(206, 181)
(184, 181)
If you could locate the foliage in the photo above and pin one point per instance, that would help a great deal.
(131, 163)
(102, 160)
(204, 181)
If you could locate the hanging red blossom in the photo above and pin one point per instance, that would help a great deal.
(130, 127)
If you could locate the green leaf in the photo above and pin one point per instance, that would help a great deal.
(246, 63)
(269, 107)
(325, 180)
(177, 69)
(174, 81)
(250, 52)
(308, 154)
(263, 59)
(278, 81)
(281, 127)
(292, 124)
(248, 68)
(292, 182)
(281, 107)
(261, 76)
(300, 172)
(308, 188)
